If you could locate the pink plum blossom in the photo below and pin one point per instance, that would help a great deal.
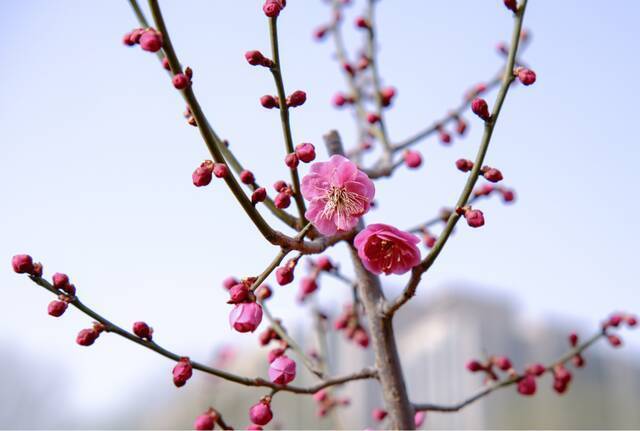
(339, 194)
(383, 248)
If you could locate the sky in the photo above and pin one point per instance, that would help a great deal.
(95, 173)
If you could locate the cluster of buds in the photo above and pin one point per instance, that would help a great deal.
(489, 366)
(283, 198)
(349, 322)
(88, 336)
(508, 195)
(246, 314)
(325, 402)
(304, 152)
(149, 39)
(614, 321)
(491, 174)
(340, 99)
(295, 99)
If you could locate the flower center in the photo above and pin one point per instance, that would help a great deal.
(342, 204)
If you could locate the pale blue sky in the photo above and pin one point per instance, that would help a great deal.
(96, 168)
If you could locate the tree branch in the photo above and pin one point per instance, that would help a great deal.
(246, 381)
(509, 381)
(507, 79)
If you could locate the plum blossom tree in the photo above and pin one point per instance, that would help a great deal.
(330, 202)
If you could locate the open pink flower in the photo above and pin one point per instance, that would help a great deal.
(339, 194)
(383, 248)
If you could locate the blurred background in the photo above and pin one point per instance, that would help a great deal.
(95, 180)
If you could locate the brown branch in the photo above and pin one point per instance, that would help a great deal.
(214, 144)
(507, 79)
(509, 381)
(246, 381)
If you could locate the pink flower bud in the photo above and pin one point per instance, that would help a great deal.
(220, 170)
(57, 308)
(180, 81)
(165, 63)
(282, 200)
(361, 22)
(291, 160)
(559, 386)
(247, 177)
(272, 8)
(508, 195)
(339, 100)
(306, 152)
(480, 108)
(578, 361)
(632, 321)
(22, 264)
(239, 293)
(573, 339)
(348, 68)
(387, 94)
(297, 98)
(182, 372)
(258, 195)
(279, 186)
(37, 269)
(492, 174)
(320, 32)
(142, 330)
(263, 292)
(527, 386)
(503, 363)
(474, 366)
(86, 337)
(151, 40)
(268, 101)
(378, 415)
(260, 413)
(526, 76)
(461, 126)
(464, 165)
(412, 159)
(418, 419)
(536, 370)
(562, 374)
(615, 320)
(445, 137)
(229, 282)
(308, 285)
(204, 422)
(361, 337)
(203, 174)
(324, 263)
(254, 58)
(614, 340)
(372, 118)
(475, 218)
(126, 39)
(282, 370)
(60, 281)
(512, 5)
(245, 317)
(274, 353)
(284, 275)
(254, 427)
